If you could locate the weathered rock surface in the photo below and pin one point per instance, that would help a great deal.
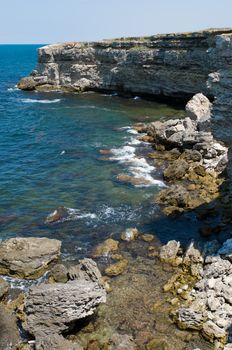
(27, 257)
(168, 252)
(53, 308)
(208, 306)
(159, 61)
(192, 131)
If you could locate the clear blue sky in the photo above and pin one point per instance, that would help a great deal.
(49, 21)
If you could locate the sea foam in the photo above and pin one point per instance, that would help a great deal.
(31, 100)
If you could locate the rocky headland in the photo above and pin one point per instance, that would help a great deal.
(195, 156)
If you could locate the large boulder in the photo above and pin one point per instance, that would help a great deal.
(27, 257)
(198, 108)
(54, 308)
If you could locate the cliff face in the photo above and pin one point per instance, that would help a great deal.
(172, 65)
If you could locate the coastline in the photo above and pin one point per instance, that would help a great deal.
(196, 183)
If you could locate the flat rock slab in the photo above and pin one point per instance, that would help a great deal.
(53, 308)
(27, 257)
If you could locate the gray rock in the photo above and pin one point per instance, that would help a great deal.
(190, 319)
(198, 108)
(59, 273)
(27, 257)
(54, 308)
(168, 252)
(193, 255)
(86, 270)
(211, 331)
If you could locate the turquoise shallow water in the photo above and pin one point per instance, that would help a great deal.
(50, 157)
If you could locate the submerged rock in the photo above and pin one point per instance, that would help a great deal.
(57, 215)
(104, 249)
(130, 234)
(27, 257)
(117, 269)
(56, 342)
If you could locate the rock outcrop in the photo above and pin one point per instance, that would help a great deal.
(27, 257)
(53, 308)
(204, 287)
(174, 65)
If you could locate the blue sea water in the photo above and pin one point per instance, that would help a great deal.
(50, 157)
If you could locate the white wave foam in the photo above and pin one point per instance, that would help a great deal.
(138, 167)
(75, 214)
(31, 100)
(13, 89)
(18, 283)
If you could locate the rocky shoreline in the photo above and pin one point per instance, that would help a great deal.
(193, 158)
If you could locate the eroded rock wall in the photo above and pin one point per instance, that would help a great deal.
(174, 65)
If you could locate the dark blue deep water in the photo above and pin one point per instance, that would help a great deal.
(50, 157)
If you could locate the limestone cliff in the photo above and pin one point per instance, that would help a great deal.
(172, 66)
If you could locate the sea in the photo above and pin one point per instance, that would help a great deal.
(67, 150)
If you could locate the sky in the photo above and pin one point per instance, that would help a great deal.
(51, 21)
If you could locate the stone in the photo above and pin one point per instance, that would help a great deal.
(176, 170)
(212, 331)
(192, 255)
(198, 108)
(27, 83)
(132, 180)
(169, 251)
(54, 308)
(106, 248)
(190, 319)
(56, 342)
(9, 333)
(147, 237)
(57, 215)
(130, 234)
(4, 287)
(58, 273)
(117, 269)
(27, 257)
